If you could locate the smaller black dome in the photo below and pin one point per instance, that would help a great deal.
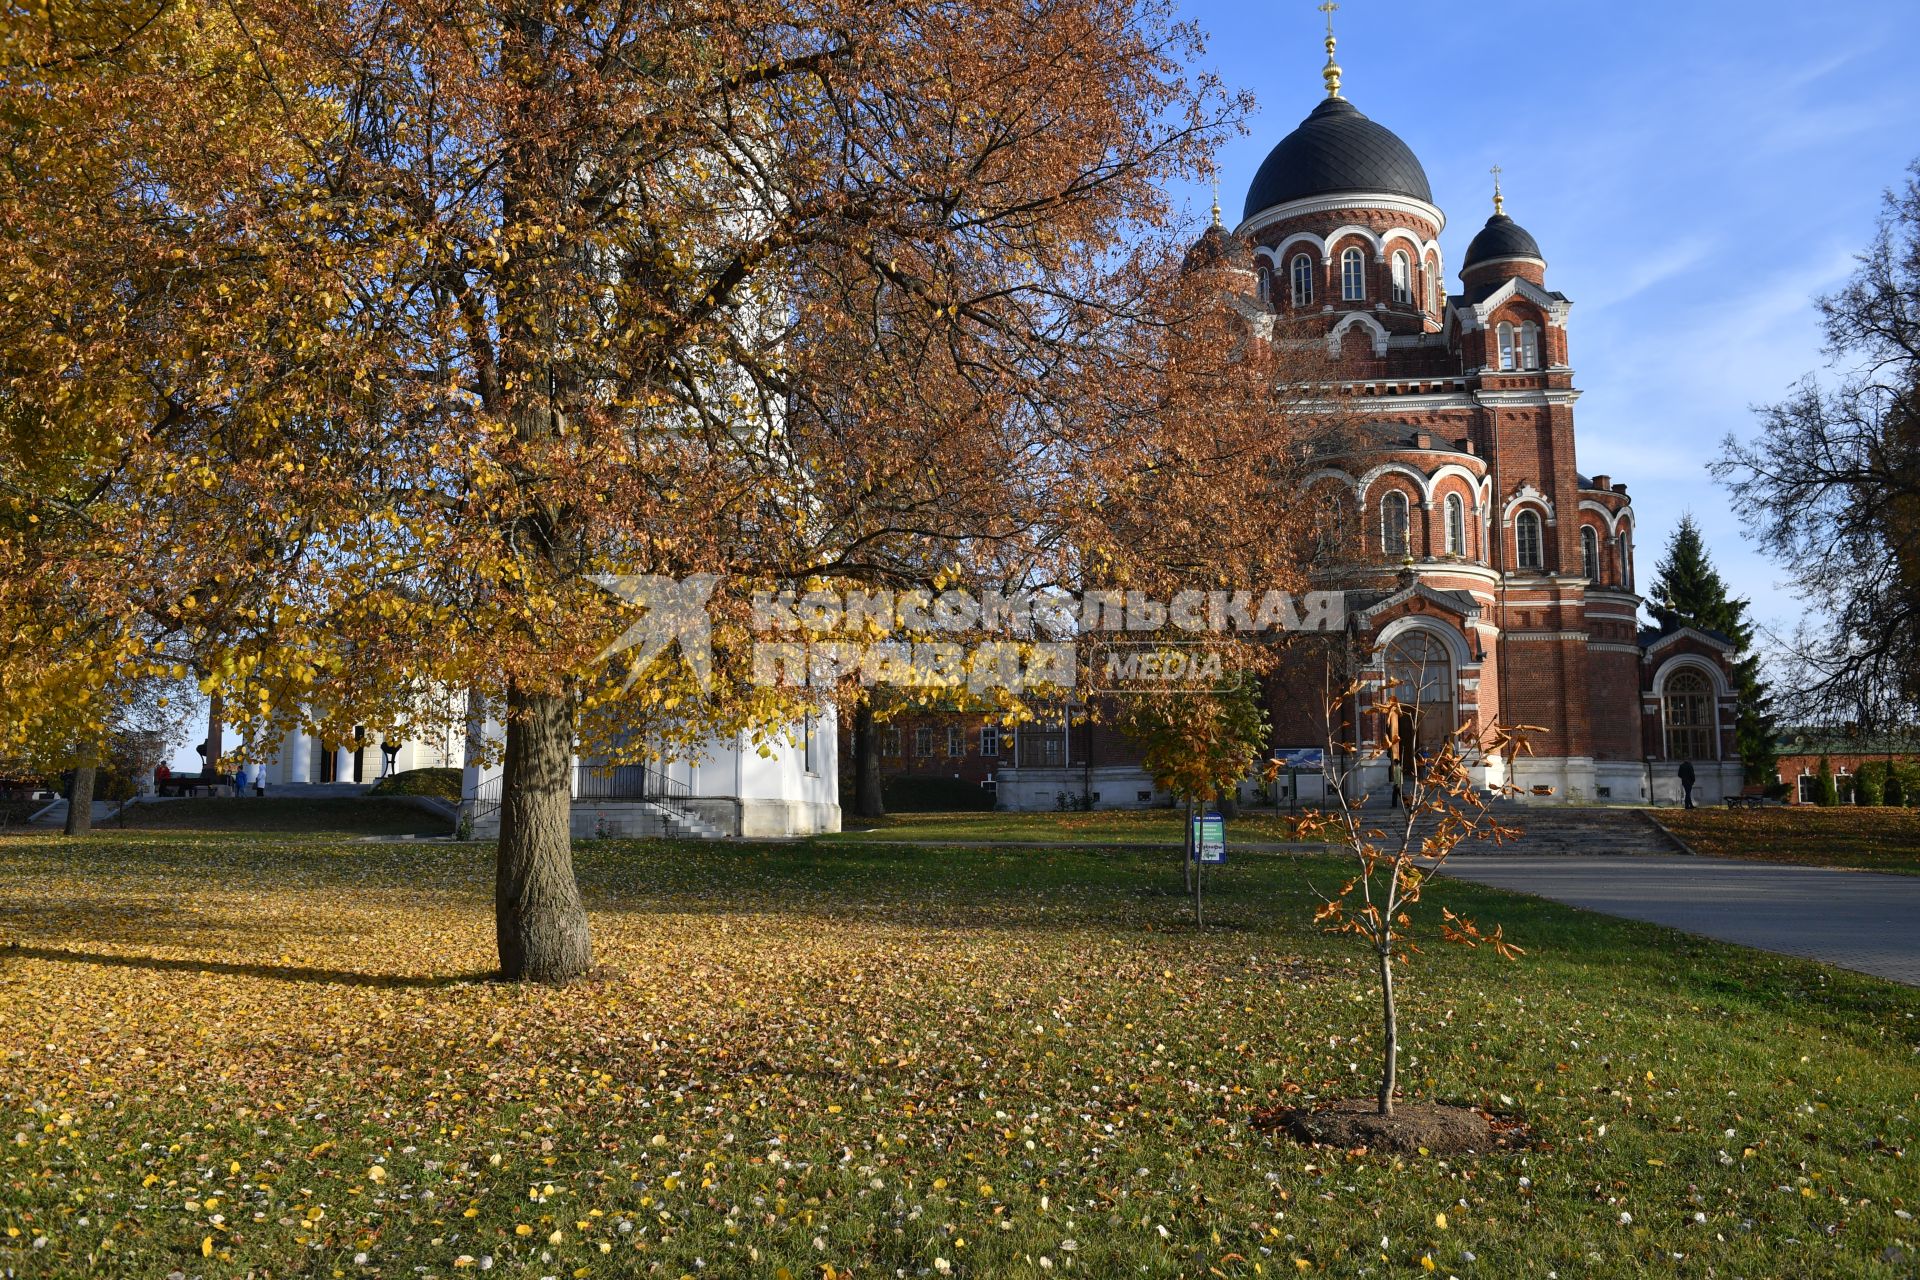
(1502, 237)
(1218, 247)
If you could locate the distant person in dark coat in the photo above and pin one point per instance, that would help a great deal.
(1686, 781)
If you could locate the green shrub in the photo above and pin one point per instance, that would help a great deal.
(440, 784)
(1824, 793)
(1903, 783)
(1870, 783)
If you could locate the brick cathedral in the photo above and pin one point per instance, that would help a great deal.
(1486, 569)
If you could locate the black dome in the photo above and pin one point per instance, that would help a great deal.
(1502, 237)
(1218, 247)
(1336, 149)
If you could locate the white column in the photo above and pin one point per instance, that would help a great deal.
(342, 764)
(299, 749)
(474, 748)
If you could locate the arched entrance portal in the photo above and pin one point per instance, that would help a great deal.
(1420, 673)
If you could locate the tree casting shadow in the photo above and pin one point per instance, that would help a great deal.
(278, 973)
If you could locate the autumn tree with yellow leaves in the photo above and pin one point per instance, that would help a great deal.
(370, 336)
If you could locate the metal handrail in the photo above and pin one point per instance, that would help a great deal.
(626, 782)
(621, 782)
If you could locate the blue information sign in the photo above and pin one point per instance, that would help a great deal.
(1210, 838)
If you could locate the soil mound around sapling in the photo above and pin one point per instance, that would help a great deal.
(1414, 1127)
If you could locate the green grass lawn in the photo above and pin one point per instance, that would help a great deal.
(271, 1056)
(1866, 839)
(1100, 826)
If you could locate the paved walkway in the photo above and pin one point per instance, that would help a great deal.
(1856, 920)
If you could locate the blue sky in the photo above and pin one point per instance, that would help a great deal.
(1695, 174)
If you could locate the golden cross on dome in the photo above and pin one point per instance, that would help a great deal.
(1216, 198)
(1331, 72)
(1499, 201)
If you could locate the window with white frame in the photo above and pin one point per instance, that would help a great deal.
(1529, 354)
(1504, 334)
(1622, 551)
(1402, 277)
(1433, 288)
(1266, 283)
(923, 740)
(1590, 554)
(1688, 707)
(1302, 280)
(1529, 550)
(1456, 525)
(955, 744)
(890, 740)
(989, 739)
(1393, 523)
(1353, 275)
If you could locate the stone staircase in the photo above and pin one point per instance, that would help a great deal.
(644, 819)
(1561, 830)
(55, 813)
(318, 790)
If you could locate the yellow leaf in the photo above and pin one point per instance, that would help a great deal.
(1440, 1221)
(206, 1246)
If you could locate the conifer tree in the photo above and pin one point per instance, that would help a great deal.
(1688, 591)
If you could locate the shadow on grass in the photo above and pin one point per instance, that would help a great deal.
(1068, 890)
(278, 973)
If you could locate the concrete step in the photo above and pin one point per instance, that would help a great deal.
(1548, 832)
(631, 820)
(317, 790)
(55, 814)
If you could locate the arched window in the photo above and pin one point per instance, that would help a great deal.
(1688, 706)
(1353, 275)
(1624, 553)
(1505, 334)
(1302, 281)
(1529, 345)
(1590, 553)
(1266, 282)
(1433, 289)
(1393, 523)
(1456, 525)
(1402, 277)
(1527, 541)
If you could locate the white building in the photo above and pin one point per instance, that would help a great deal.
(726, 787)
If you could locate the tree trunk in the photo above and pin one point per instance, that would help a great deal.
(1187, 852)
(1390, 1039)
(538, 914)
(216, 730)
(80, 801)
(868, 800)
(1199, 887)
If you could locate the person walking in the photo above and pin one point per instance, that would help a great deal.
(1398, 778)
(1686, 782)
